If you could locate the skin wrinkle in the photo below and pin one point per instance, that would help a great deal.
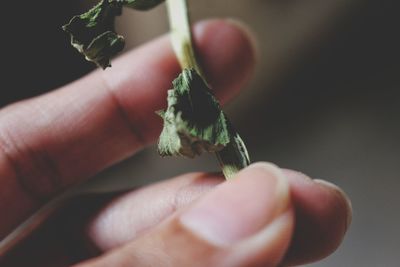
(159, 249)
(3, 150)
(170, 208)
(121, 112)
(41, 163)
(181, 197)
(53, 177)
(204, 182)
(14, 187)
(108, 222)
(187, 192)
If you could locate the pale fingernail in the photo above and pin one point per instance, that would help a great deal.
(342, 195)
(239, 208)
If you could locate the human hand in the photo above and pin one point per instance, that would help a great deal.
(264, 217)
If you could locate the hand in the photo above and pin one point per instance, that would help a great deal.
(266, 216)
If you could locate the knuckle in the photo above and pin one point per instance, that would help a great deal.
(34, 169)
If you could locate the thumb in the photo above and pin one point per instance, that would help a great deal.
(247, 221)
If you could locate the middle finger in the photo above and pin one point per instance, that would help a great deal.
(323, 213)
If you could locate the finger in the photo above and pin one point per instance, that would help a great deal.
(133, 214)
(321, 210)
(58, 240)
(323, 213)
(61, 138)
(247, 221)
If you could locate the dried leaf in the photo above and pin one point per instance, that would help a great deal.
(193, 121)
(93, 33)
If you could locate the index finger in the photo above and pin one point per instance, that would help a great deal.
(59, 139)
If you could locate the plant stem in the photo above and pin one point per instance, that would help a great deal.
(181, 34)
(234, 156)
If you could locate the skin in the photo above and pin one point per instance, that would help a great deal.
(266, 216)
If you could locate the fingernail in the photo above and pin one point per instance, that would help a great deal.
(342, 195)
(239, 208)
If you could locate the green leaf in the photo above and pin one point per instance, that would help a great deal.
(193, 121)
(93, 34)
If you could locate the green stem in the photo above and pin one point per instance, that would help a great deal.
(234, 156)
(181, 34)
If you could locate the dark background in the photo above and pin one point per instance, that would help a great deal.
(35, 57)
(362, 49)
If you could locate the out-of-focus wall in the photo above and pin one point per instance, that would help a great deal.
(283, 28)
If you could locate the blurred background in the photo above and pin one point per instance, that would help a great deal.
(325, 96)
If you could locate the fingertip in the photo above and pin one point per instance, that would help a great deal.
(226, 49)
(212, 26)
(272, 171)
(248, 33)
(240, 207)
(342, 198)
(323, 214)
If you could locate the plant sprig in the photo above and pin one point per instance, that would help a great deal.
(193, 121)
